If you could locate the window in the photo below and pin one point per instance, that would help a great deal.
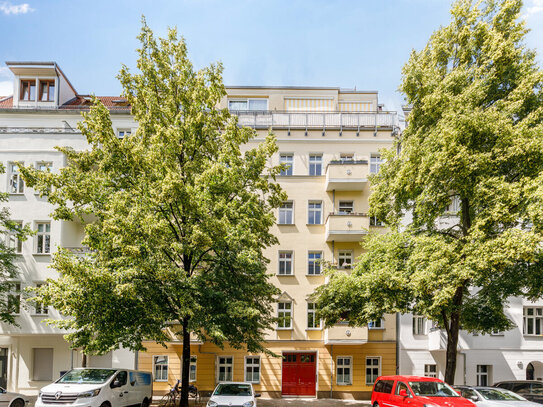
(419, 325)
(284, 315)
(28, 90)
(122, 133)
(252, 369)
(377, 324)
(346, 157)
(314, 213)
(315, 164)
(483, 375)
(225, 368)
(373, 369)
(192, 369)
(12, 241)
(160, 364)
(286, 213)
(42, 368)
(312, 321)
(454, 205)
(402, 386)
(343, 370)
(288, 160)
(374, 221)
(533, 320)
(248, 104)
(430, 370)
(285, 263)
(346, 207)
(16, 183)
(345, 259)
(14, 298)
(375, 163)
(313, 263)
(47, 91)
(44, 166)
(384, 386)
(40, 308)
(43, 238)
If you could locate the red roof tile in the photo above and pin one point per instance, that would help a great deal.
(6, 102)
(79, 102)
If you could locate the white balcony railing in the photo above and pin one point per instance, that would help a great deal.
(350, 227)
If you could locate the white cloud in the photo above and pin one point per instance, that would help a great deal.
(6, 88)
(534, 7)
(7, 8)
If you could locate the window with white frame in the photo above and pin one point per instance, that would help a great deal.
(14, 297)
(13, 241)
(419, 325)
(346, 157)
(288, 160)
(454, 205)
(42, 366)
(192, 368)
(284, 315)
(345, 259)
(43, 237)
(533, 320)
(39, 307)
(16, 183)
(346, 207)
(373, 369)
(225, 368)
(374, 221)
(377, 324)
(375, 163)
(285, 263)
(314, 212)
(312, 321)
(260, 104)
(344, 370)
(314, 263)
(430, 370)
(483, 375)
(44, 166)
(286, 213)
(122, 133)
(160, 368)
(315, 164)
(252, 369)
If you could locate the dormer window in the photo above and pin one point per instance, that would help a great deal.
(47, 91)
(28, 89)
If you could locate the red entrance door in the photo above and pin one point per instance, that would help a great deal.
(299, 374)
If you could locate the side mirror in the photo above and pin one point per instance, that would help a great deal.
(257, 394)
(474, 398)
(2, 391)
(116, 383)
(403, 393)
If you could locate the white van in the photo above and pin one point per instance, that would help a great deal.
(94, 387)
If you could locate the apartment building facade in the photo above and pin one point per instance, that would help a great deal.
(330, 139)
(42, 113)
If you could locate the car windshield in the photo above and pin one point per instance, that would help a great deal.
(90, 376)
(491, 394)
(432, 389)
(231, 389)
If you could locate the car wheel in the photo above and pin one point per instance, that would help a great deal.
(17, 403)
(376, 404)
(145, 403)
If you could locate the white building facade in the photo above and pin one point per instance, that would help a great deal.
(42, 113)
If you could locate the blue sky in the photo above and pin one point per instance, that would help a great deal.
(361, 44)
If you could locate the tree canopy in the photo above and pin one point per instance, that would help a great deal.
(462, 188)
(175, 214)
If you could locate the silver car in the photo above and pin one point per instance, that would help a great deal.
(8, 399)
(238, 394)
(494, 397)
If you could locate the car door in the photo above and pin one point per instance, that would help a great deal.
(120, 395)
(4, 399)
(401, 401)
(522, 389)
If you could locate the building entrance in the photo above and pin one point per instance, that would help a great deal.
(299, 374)
(4, 368)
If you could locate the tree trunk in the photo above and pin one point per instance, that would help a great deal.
(185, 364)
(452, 346)
(84, 360)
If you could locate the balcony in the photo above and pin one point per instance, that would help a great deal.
(79, 251)
(345, 335)
(346, 175)
(317, 120)
(350, 227)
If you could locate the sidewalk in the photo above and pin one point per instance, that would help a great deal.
(294, 402)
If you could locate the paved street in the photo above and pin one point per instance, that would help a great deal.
(294, 402)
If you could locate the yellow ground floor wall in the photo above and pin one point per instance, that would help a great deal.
(270, 366)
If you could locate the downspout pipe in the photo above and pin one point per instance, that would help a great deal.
(398, 343)
(331, 371)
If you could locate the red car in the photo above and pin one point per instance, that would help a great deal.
(415, 391)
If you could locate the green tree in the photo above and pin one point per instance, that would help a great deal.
(11, 234)
(176, 216)
(474, 140)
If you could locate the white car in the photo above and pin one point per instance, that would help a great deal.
(8, 399)
(238, 394)
(494, 397)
